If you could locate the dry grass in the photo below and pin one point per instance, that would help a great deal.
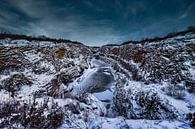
(60, 53)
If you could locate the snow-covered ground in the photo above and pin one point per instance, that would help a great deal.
(125, 87)
(122, 123)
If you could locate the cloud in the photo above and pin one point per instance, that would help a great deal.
(70, 26)
(134, 8)
(31, 8)
(187, 11)
(91, 22)
(93, 6)
(12, 20)
(75, 28)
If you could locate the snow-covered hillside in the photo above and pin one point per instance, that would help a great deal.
(69, 85)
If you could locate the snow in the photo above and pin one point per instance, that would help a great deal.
(32, 56)
(104, 96)
(122, 123)
(26, 92)
(86, 80)
(60, 102)
(192, 71)
(2, 77)
(75, 84)
(190, 100)
(42, 79)
(23, 42)
(180, 105)
(96, 106)
(5, 96)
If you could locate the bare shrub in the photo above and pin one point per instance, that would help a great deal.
(177, 91)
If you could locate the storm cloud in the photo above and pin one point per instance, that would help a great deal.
(96, 22)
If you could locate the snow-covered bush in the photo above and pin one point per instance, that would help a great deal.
(15, 82)
(152, 106)
(123, 104)
(57, 86)
(191, 118)
(143, 104)
(177, 91)
(42, 116)
(190, 85)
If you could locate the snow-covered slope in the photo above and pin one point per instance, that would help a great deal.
(66, 85)
(157, 78)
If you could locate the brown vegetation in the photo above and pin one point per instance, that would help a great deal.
(60, 53)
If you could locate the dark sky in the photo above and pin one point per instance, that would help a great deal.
(96, 22)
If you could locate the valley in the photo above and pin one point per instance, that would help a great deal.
(151, 84)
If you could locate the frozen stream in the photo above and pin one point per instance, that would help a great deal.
(98, 80)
